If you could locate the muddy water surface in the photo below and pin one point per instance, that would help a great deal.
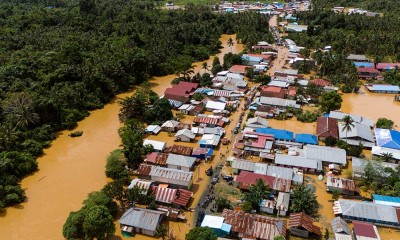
(73, 167)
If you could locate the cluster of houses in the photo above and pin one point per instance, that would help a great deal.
(241, 225)
(274, 8)
(355, 11)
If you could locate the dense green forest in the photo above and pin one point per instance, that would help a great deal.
(60, 60)
(378, 37)
(385, 6)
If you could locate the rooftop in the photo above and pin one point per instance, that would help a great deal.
(363, 229)
(141, 218)
(302, 220)
(180, 160)
(306, 138)
(387, 138)
(179, 149)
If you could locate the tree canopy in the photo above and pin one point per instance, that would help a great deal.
(330, 101)
(201, 233)
(304, 200)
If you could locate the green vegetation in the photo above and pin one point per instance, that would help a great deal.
(384, 123)
(308, 116)
(257, 193)
(222, 203)
(201, 233)
(76, 134)
(304, 200)
(330, 101)
(330, 141)
(115, 167)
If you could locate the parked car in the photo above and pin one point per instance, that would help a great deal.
(225, 141)
(215, 179)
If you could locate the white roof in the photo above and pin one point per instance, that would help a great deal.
(257, 122)
(215, 105)
(278, 84)
(222, 73)
(212, 221)
(157, 145)
(180, 160)
(170, 173)
(243, 164)
(185, 132)
(356, 118)
(379, 151)
(170, 123)
(278, 102)
(186, 107)
(297, 161)
(260, 168)
(359, 130)
(325, 154)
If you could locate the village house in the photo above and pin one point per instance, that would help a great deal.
(300, 224)
(277, 83)
(242, 164)
(185, 135)
(356, 118)
(144, 171)
(295, 175)
(256, 122)
(387, 66)
(252, 60)
(359, 134)
(365, 231)
(156, 158)
(157, 145)
(377, 214)
(387, 138)
(257, 143)
(153, 129)
(180, 162)
(327, 127)
(176, 197)
(216, 223)
(202, 153)
(341, 229)
(140, 220)
(344, 186)
(357, 58)
(273, 91)
(213, 105)
(187, 109)
(320, 82)
(179, 149)
(170, 126)
(359, 164)
(298, 62)
(382, 151)
(209, 121)
(230, 81)
(180, 93)
(305, 164)
(305, 138)
(210, 141)
(142, 184)
(386, 200)
(369, 73)
(174, 177)
(254, 226)
(326, 154)
(383, 88)
(246, 179)
(239, 69)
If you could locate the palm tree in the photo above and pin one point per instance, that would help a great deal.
(230, 43)
(205, 66)
(161, 232)
(348, 124)
(257, 193)
(8, 136)
(19, 109)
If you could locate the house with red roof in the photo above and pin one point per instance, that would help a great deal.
(180, 92)
(240, 69)
(179, 197)
(364, 231)
(387, 66)
(327, 127)
(273, 91)
(369, 73)
(266, 57)
(245, 179)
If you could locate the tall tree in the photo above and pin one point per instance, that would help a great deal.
(330, 101)
(257, 193)
(304, 200)
(201, 233)
(230, 43)
(19, 109)
(348, 124)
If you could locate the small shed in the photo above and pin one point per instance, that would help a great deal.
(140, 220)
(301, 225)
(170, 126)
(282, 203)
(180, 162)
(202, 153)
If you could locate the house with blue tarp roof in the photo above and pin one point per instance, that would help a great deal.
(306, 138)
(387, 138)
(386, 200)
(279, 134)
(363, 64)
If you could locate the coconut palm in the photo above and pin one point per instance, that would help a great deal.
(230, 43)
(257, 193)
(386, 156)
(19, 109)
(205, 67)
(348, 124)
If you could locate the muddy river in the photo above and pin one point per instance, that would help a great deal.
(73, 167)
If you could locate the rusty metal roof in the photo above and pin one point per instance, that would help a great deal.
(342, 183)
(302, 220)
(253, 225)
(144, 169)
(157, 158)
(179, 149)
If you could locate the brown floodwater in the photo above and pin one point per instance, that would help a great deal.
(73, 167)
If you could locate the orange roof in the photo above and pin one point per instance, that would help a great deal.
(320, 82)
(271, 89)
(238, 69)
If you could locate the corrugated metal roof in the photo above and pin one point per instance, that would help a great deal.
(257, 122)
(243, 164)
(325, 154)
(297, 161)
(157, 158)
(260, 168)
(368, 210)
(297, 220)
(279, 102)
(165, 195)
(282, 203)
(186, 133)
(157, 145)
(253, 225)
(342, 183)
(327, 126)
(339, 225)
(380, 151)
(386, 200)
(356, 118)
(171, 174)
(179, 149)
(141, 218)
(180, 160)
(280, 172)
